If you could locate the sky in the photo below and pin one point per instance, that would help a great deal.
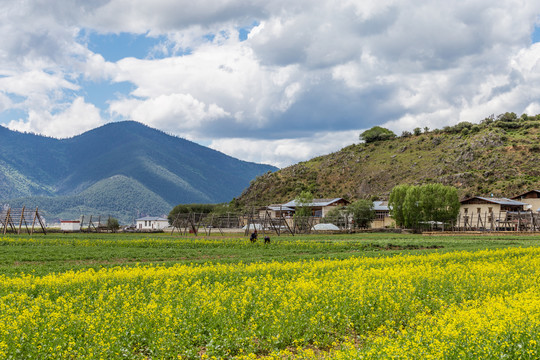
(273, 81)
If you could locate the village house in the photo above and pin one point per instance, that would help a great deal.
(487, 212)
(531, 198)
(276, 211)
(70, 225)
(151, 223)
(382, 216)
(320, 207)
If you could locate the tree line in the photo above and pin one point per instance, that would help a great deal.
(508, 121)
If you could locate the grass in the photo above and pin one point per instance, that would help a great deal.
(41, 254)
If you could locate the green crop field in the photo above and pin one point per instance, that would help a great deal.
(41, 254)
(162, 296)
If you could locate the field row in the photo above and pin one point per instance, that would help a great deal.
(41, 255)
(454, 305)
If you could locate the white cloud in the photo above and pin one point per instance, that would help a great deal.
(34, 82)
(175, 112)
(77, 118)
(285, 152)
(307, 68)
(226, 81)
(5, 102)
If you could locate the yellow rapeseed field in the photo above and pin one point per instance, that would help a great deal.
(458, 305)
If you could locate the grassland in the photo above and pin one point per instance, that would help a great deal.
(373, 296)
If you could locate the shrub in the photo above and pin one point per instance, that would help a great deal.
(377, 133)
(112, 224)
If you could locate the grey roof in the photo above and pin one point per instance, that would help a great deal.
(500, 201)
(279, 208)
(525, 193)
(316, 202)
(151, 218)
(381, 206)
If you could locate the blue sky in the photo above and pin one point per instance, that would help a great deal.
(268, 82)
(114, 47)
(536, 35)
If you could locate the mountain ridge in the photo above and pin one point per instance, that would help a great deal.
(173, 169)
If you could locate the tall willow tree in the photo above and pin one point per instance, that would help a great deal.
(395, 203)
(411, 206)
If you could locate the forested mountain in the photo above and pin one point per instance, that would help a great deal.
(124, 169)
(499, 156)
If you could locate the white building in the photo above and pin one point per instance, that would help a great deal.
(70, 225)
(151, 223)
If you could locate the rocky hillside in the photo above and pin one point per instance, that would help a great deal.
(499, 156)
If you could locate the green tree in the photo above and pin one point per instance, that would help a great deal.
(450, 209)
(395, 203)
(335, 215)
(415, 206)
(417, 131)
(303, 204)
(377, 133)
(112, 224)
(412, 208)
(362, 213)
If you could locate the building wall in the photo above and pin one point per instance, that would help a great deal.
(534, 202)
(383, 222)
(326, 209)
(469, 209)
(487, 216)
(70, 225)
(151, 224)
(480, 215)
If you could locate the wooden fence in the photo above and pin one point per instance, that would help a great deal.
(17, 220)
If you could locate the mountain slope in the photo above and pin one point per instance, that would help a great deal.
(118, 196)
(498, 157)
(120, 159)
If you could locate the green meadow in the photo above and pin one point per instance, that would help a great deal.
(42, 254)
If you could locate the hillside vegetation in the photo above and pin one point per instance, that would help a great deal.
(498, 156)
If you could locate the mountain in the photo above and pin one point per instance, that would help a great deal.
(498, 156)
(121, 169)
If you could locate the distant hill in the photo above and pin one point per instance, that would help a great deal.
(498, 156)
(122, 169)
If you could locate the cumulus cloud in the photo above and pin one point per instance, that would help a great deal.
(186, 112)
(34, 82)
(307, 73)
(224, 84)
(75, 119)
(284, 152)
